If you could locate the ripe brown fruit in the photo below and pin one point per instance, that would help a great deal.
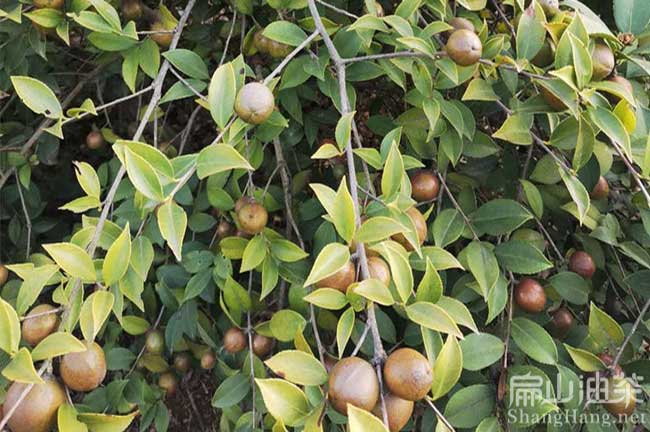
(155, 342)
(621, 396)
(340, 280)
(378, 269)
(224, 229)
(353, 381)
(84, 371)
(424, 186)
(131, 10)
(398, 410)
(261, 42)
(530, 296)
(603, 61)
(420, 227)
(241, 202)
(37, 412)
(601, 190)
(583, 264)
(459, 23)
(43, 324)
(608, 360)
(464, 47)
(52, 4)
(208, 360)
(408, 374)
(254, 103)
(562, 322)
(252, 218)
(4, 274)
(182, 362)
(168, 383)
(234, 340)
(262, 345)
(94, 140)
(163, 36)
(552, 100)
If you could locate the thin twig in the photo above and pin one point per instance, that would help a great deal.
(457, 206)
(504, 18)
(28, 220)
(338, 10)
(187, 84)
(627, 339)
(225, 46)
(440, 416)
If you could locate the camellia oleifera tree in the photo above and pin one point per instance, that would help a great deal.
(360, 216)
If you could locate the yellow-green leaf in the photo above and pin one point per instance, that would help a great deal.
(21, 369)
(73, 259)
(117, 258)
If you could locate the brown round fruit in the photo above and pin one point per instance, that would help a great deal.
(459, 23)
(224, 229)
(52, 4)
(84, 371)
(241, 202)
(562, 322)
(378, 269)
(37, 412)
(44, 323)
(340, 280)
(254, 103)
(4, 274)
(163, 37)
(278, 50)
(420, 227)
(261, 42)
(234, 340)
(621, 396)
(464, 47)
(353, 381)
(330, 362)
(168, 383)
(583, 264)
(262, 345)
(552, 100)
(132, 10)
(94, 140)
(182, 362)
(424, 186)
(398, 411)
(608, 360)
(252, 218)
(530, 296)
(208, 360)
(601, 190)
(603, 61)
(155, 342)
(408, 374)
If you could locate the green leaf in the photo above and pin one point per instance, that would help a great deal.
(73, 259)
(430, 287)
(586, 361)
(578, 193)
(107, 12)
(284, 401)
(107, 422)
(582, 63)
(142, 256)
(94, 312)
(37, 96)
(286, 323)
(500, 216)
(533, 340)
(10, 334)
(400, 268)
(521, 257)
(447, 368)
(218, 158)
(458, 312)
(231, 391)
(374, 290)
(433, 317)
(343, 130)
(480, 90)
(298, 367)
(344, 330)
(254, 253)
(331, 259)
(21, 369)
(287, 33)
(88, 179)
(172, 222)
(447, 227)
(67, 419)
(571, 287)
(287, 251)
(391, 180)
(378, 228)
(604, 331)
(33, 284)
(516, 129)
(612, 127)
(221, 94)
(327, 298)
(530, 33)
(149, 57)
(362, 421)
(342, 212)
(117, 258)
(468, 406)
(483, 265)
(481, 350)
(631, 16)
(143, 175)
(57, 344)
(188, 62)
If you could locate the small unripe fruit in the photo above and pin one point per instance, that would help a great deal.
(132, 10)
(530, 296)
(168, 383)
(163, 37)
(278, 50)
(234, 340)
(252, 218)
(601, 190)
(34, 330)
(208, 360)
(84, 371)
(378, 269)
(94, 140)
(464, 47)
(582, 263)
(262, 345)
(52, 4)
(424, 186)
(353, 381)
(621, 396)
(182, 362)
(340, 280)
(261, 42)
(408, 374)
(4, 274)
(155, 342)
(562, 322)
(398, 411)
(37, 412)
(603, 61)
(254, 103)
(420, 227)
(224, 229)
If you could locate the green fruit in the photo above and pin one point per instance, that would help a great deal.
(464, 47)
(155, 342)
(254, 103)
(168, 383)
(603, 61)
